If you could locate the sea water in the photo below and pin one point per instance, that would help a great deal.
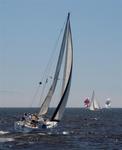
(79, 129)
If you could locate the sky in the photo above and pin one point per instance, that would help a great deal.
(28, 32)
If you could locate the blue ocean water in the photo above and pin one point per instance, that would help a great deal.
(80, 129)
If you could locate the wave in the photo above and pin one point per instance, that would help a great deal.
(65, 133)
(3, 132)
(2, 140)
(54, 133)
(42, 133)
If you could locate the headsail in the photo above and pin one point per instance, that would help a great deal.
(94, 104)
(67, 73)
(46, 103)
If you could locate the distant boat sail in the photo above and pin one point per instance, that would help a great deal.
(108, 103)
(94, 104)
(67, 49)
(87, 102)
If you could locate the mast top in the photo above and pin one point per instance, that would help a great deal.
(68, 15)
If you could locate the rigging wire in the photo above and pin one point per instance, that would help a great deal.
(34, 96)
(49, 65)
(47, 71)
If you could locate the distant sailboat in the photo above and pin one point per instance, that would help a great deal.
(108, 103)
(67, 50)
(94, 104)
(87, 103)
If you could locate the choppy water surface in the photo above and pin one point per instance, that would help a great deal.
(79, 129)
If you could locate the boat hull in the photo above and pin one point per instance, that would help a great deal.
(21, 126)
(49, 124)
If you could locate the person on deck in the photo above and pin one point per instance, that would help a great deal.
(34, 120)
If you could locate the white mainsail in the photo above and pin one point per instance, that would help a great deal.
(66, 44)
(94, 104)
(67, 73)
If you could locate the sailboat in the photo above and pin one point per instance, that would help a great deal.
(66, 54)
(87, 102)
(108, 103)
(94, 105)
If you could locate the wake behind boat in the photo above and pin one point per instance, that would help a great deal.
(38, 121)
